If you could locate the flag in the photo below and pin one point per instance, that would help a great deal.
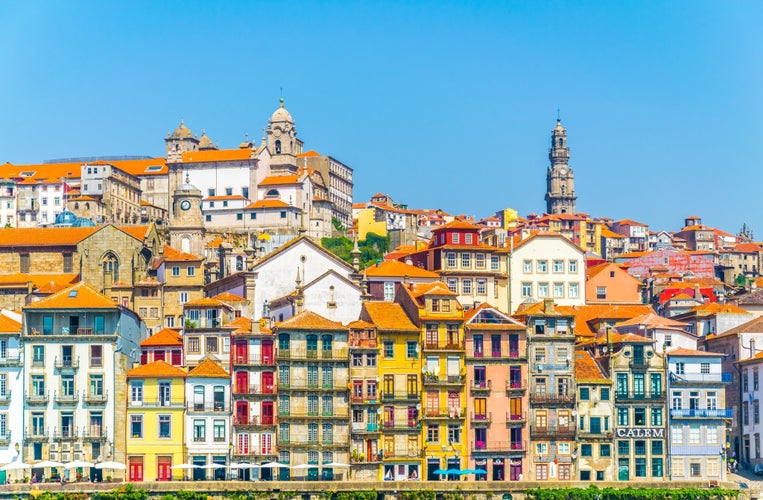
(67, 188)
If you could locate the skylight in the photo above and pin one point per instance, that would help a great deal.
(73, 293)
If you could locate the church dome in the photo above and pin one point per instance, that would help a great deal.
(205, 142)
(65, 219)
(281, 115)
(182, 132)
(187, 186)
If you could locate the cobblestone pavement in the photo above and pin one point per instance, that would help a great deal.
(753, 483)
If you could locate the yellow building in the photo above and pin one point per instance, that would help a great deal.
(368, 223)
(400, 392)
(155, 433)
(439, 316)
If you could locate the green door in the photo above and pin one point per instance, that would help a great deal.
(622, 469)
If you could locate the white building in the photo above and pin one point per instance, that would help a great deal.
(208, 414)
(546, 265)
(11, 387)
(669, 334)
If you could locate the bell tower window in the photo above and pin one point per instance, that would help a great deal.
(278, 147)
(111, 266)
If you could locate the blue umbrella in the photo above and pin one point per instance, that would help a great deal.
(453, 471)
(466, 471)
(480, 471)
(440, 472)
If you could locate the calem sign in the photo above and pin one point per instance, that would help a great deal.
(630, 432)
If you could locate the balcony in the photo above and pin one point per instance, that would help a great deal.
(361, 458)
(400, 396)
(96, 399)
(363, 428)
(504, 355)
(481, 419)
(444, 346)
(34, 399)
(253, 423)
(311, 386)
(363, 343)
(457, 413)
(544, 398)
(5, 399)
(66, 363)
(401, 453)
(313, 354)
(499, 447)
(639, 397)
(549, 367)
(158, 403)
(431, 379)
(702, 378)
(66, 399)
(515, 418)
(513, 386)
(364, 400)
(686, 413)
(253, 360)
(65, 434)
(339, 413)
(94, 433)
(35, 434)
(553, 431)
(10, 361)
(481, 387)
(264, 455)
(401, 426)
(639, 363)
(254, 390)
(5, 439)
(214, 407)
(595, 436)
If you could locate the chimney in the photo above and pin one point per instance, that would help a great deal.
(548, 306)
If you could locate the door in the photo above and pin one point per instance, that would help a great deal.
(242, 412)
(267, 383)
(267, 352)
(267, 413)
(622, 469)
(242, 383)
(241, 353)
(163, 470)
(136, 469)
(266, 441)
(514, 346)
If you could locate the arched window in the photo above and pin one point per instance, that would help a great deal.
(561, 142)
(111, 266)
(326, 340)
(271, 193)
(278, 147)
(185, 244)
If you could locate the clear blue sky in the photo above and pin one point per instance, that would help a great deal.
(439, 104)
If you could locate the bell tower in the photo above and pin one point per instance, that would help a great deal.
(282, 142)
(560, 180)
(186, 228)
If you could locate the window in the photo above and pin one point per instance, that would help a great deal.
(357, 359)
(573, 266)
(755, 379)
(657, 448)
(542, 266)
(454, 434)
(183, 297)
(466, 260)
(586, 450)
(389, 350)
(694, 434)
(601, 292)
(199, 430)
(412, 349)
(218, 429)
(283, 215)
(639, 416)
(641, 467)
(136, 426)
(494, 263)
(585, 393)
(527, 289)
(175, 270)
(371, 359)
(193, 345)
(481, 287)
(540, 354)
(622, 417)
(680, 368)
(455, 238)
(466, 286)
(136, 392)
(190, 271)
(433, 433)
(656, 417)
(604, 393)
(451, 258)
(712, 434)
(657, 467)
(676, 434)
(479, 260)
(541, 448)
(744, 381)
(389, 291)
(558, 290)
(211, 344)
(623, 447)
(756, 412)
(695, 469)
(527, 266)
(605, 450)
(542, 290)
(453, 285)
(574, 290)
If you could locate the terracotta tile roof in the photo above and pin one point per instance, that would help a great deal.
(83, 198)
(400, 252)
(437, 288)
(682, 351)
(681, 296)
(79, 296)
(48, 236)
(208, 369)
(508, 323)
(137, 232)
(398, 269)
(753, 359)
(309, 154)
(53, 282)
(629, 222)
(712, 308)
(228, 297)
(8, 325)
(278, 180)
(206, 302)
(587, 370)
(652, 320)
(360, 325)
(174, 255)
(587, 316)
(388, 316)
(157, 369)
(544, 234)
(218, 155)
(269, 204)
(606, 233)
(627, 338)
(164, 337)
(747, 248)
(308, 320)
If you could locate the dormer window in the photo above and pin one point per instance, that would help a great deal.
(468, 239)
(455, 238)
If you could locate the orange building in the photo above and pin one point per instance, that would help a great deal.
(608, 283)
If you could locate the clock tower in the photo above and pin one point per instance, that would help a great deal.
(186, 229)
(282, 142)
(560, 181)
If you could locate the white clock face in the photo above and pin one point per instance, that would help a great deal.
(185, 205)
(563, 171)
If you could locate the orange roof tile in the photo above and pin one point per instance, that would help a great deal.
(308, 154)
(238, 154)
(587, 370)
(682, 351)
(711, 308)
(49, 236)
(242, 324)
(79, 296)
(437, 288)
(308, 320)
(157, 369)
(360, 325)
(396, 268)
(51, 282)
(206, 302)
(164, 337)
(208, 369)
(747, 248)
(269, 204)
(173, 255)
(388, 316)
(137, 232)
(228, 297)
(457, 224)
(277, 180)
(652, 320)
(8, 325)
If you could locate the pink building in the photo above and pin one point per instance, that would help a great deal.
(496, 375)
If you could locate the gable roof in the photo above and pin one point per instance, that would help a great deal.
(157, 369)
(387, 316)
(8, 325)
(487, 317)
(208, 368)
(683, 351)
(294, 242)
(269, 204)
(545, 234)
(228, 297)
(308, 320)
(173, 255)
(398, 269)
(437, 288)
(587, 370)
(653, 320)
(164, 337)
(79, 296)
(279, 180)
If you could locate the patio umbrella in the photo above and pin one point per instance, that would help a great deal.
(336, 464)
(440, 472)
(302, 466)
(15, 466)
(47, 463)
(213, 466)
(77, 463)
(236, 465)
(480, 471)
(110, 465)
(185, 466)
(272, 465)
(453, 472)
(467, 471)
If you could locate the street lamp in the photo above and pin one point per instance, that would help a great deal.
(17, 447)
